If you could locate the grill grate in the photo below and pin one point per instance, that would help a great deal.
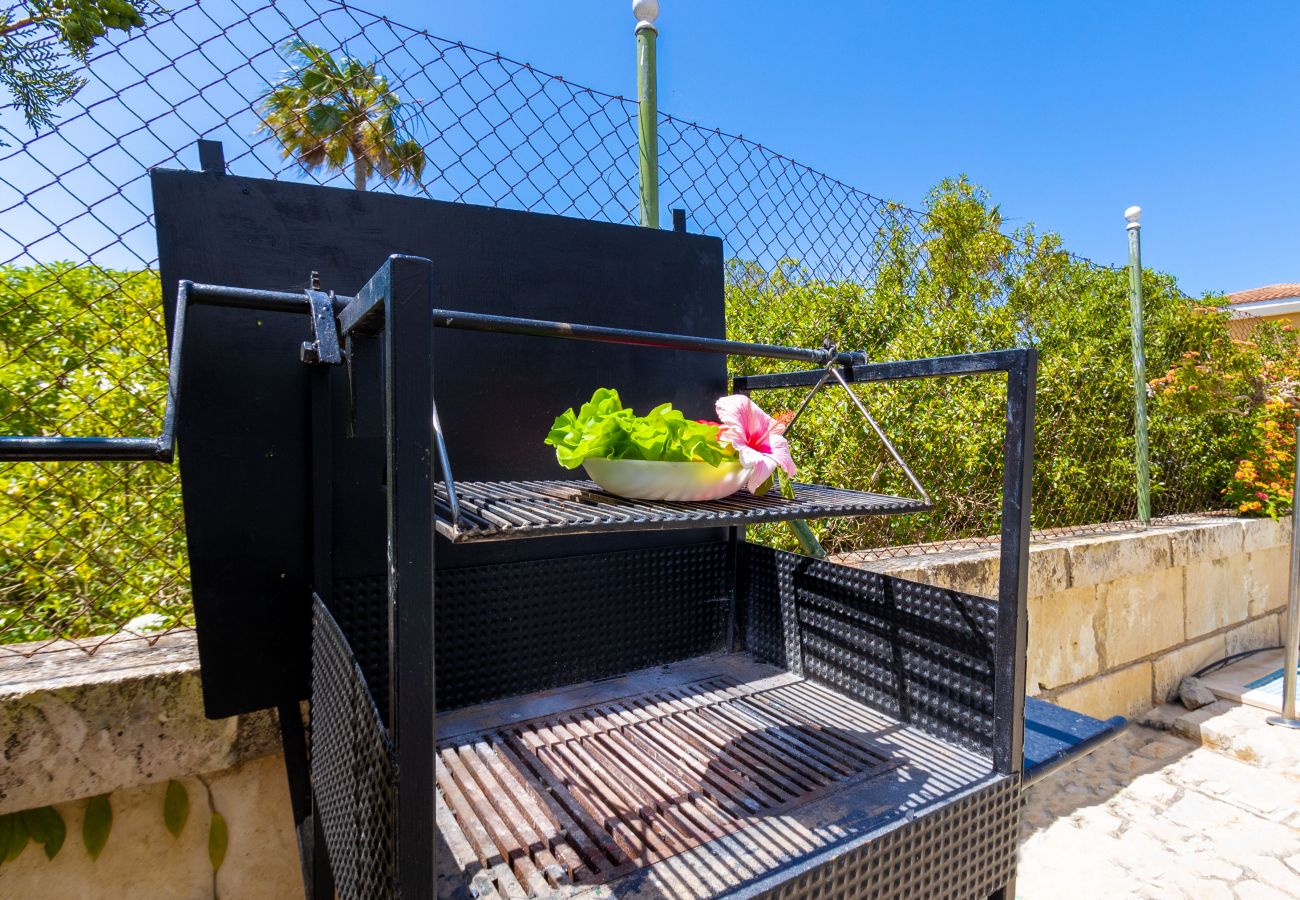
(503, 510)
(588, 795)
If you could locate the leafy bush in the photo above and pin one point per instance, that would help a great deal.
(1246, 389)
(954, 282)
(87, 547)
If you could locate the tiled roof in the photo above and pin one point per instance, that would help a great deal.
(1268, 292)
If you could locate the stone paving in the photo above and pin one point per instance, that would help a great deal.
(1158, 815)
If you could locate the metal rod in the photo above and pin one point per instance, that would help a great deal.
(884, 439)
(1143, 451)
(364, 304)
(1291, 654)
(78, 449)
(646, 11)
(444, 318)
(862, 371)
(444, 459)
(118, 449)
(803, 405)
(252, 298)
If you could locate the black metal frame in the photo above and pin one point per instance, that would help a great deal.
(397, 306)
(1021, 368)
(398, 289)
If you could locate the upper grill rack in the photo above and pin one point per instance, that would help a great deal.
(506, 510)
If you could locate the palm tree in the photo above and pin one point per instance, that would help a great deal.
(325, 111)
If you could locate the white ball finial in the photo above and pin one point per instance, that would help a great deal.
(646, 11)
(1133, 215)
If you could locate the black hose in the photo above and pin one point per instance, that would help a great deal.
(1229, 660)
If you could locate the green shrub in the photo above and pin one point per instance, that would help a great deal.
(87, 546)
(954, 282)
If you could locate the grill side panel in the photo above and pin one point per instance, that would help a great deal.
(961, 851)
(920, 653)
(351, 767)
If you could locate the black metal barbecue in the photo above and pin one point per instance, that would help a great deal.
(521, 686)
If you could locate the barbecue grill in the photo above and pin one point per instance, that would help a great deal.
(519, 685)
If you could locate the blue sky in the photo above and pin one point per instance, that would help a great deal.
(1066, 112)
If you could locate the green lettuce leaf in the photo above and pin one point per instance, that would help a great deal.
(603, 428)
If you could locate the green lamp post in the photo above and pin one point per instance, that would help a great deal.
(646, 11)
(1133, 216)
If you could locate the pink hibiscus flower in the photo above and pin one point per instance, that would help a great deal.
(758, 438)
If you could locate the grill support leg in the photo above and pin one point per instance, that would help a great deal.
(408, 388)
(318, 884)
(1013, 570)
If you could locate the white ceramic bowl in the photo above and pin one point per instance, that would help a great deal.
(645, 480)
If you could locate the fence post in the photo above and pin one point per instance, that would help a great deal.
(1291, 632)
(1133, 215)
(646, 11)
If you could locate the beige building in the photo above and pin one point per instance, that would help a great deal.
(1272, 303)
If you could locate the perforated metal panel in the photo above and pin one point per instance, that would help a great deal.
(918, 652)
(514, 628)
(351, 768)
(360, 606)
(961, 851)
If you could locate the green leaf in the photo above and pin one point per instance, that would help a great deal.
(604, 429)
(218, 839)
(35, 823)
(46, 827)
(96, 825)
(58, 832)
(18, 840)
(176, 807)
(6, 835)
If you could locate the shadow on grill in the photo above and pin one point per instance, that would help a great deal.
(591, 794)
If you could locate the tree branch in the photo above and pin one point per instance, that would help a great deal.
(10, 27)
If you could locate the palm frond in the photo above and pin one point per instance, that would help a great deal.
(326, 112)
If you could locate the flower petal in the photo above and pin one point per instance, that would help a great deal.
(779, 453)
(742, 420)
(763, 469)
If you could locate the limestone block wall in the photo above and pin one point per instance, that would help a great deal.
(1116, 620)
(124, 723)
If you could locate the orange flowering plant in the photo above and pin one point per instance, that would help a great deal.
(1264, 483)
(1255, 385)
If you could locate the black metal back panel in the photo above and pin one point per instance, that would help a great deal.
(921, 653)
(250, 469)
(511, 628)
(508, 629)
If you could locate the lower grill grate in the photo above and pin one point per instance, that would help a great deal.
(587, 795)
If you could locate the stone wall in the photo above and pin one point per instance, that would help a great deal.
(123, 723)
(1117, 619)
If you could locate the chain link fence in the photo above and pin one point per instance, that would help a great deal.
(93, 551)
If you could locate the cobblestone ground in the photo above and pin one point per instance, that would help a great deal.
(1155, 815)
